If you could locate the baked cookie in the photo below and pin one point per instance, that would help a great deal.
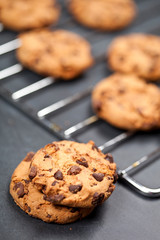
(136, 53)
(73, 174)
(21, 15)
(103, 15)
(32, 201)
(0, 9)
(60, 54)
(127, 102)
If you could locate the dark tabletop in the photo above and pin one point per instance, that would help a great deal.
(125, 215)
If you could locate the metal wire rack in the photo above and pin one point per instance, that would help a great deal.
(31, 92)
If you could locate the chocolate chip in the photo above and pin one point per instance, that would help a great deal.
(36, 61)
(115, 177)
(110, 189)
(82, 161)
(98, 176)
(97, 106)
(55, 146)
(73, 210)
(97, 199)
(58, 198)
(109, 158)
(33, 172)
(46, 156)
(54, 199)
(29, 157)
(121, 58)
(94, 147)
(26, 181)
(48, 216)
(44, 187)
(27, 208)
(54, 183)
(109, 178)
(155, 55)
(75, 188)
(135, 68)
(20, 188)
(74, 170)
(103, 93)
(94, 169)
(49, 50)
(121, 91)
(50, 170)
(41, 175)
(58, 175)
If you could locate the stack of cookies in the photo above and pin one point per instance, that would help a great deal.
(64, 181)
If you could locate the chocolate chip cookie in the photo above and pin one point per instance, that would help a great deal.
(103, 15)
(136, 53)
(73, 174)
(61, 54)
(32, 201)
(127, 102)
(21, 15)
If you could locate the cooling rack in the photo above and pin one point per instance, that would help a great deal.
(64, 108)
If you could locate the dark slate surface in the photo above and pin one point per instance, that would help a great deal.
(126, 215)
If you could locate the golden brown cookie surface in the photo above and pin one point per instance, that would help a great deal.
(32, 201)
(103, 14)
(60, 54)
(23, 15)
(73, 174)
(136, 53)
(127, 102)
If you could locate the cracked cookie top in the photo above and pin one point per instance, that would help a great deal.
(32, 201)
(73, 174)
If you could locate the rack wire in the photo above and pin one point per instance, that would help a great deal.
(82, 88)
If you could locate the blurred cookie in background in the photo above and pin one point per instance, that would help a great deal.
(136, 53)
(22, 15)
(127, 102)
(105, 15)
(60, 53)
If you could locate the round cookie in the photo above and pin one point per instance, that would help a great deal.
(103, 15)
(136, 53)
(32, 201)
(127, 102)
(61, 54)
(73, 174)
(29, 14)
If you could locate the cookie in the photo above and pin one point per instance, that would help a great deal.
(21, 15)
(32, 201)
(136, 53)
(61, 54)
(128, 102)
(73, 174)
(103, 15)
